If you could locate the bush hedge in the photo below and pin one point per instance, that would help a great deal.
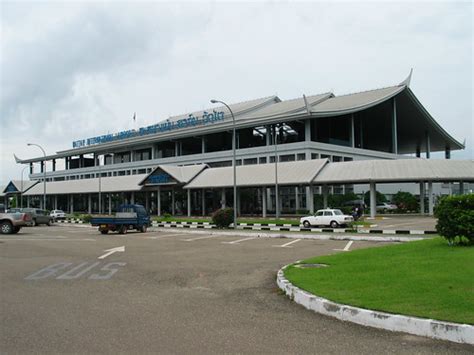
(456, 218)
(223, 218)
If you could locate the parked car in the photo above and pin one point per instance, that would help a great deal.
(38, 216)
(57, 214)
(384, 207)
(327, 217)
(11, 223)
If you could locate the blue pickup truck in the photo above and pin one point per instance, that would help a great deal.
(128, 217)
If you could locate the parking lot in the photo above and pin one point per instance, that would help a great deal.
(68, 289)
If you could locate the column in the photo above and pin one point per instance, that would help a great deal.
(55, 202)
(373, 200)
(307, 130)
(430, 198)
(297, 200)
(418, 152)
(223, 201)
(203, 144)
(158, 201)
(71, 204)
(31, 168)
(147, 201)
(89, 203)
(428, 145)
(176, 148)
(447, 152)
(172, 201)
(394, 127)
(110, 203)
(131, 156)
(42, 166)
(310, 199)
(132, 198)
(325, 189)
(267, 136)
(203, 202)
(189, 202)
(264, 202)
(352, 141)
(28, 201)
(422, 198)
(461, 187)
(54, 164)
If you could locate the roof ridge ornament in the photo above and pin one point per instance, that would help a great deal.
(407, 81)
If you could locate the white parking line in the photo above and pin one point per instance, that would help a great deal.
(198, 238)
(164, 236)
(287, 245)
(347, 247)
(238, 241)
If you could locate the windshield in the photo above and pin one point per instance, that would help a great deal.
(338, 212)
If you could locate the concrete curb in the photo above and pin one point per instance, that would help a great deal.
(458, 333)
(290, 228)
(298, 236)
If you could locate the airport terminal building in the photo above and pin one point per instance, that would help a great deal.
(289, 141)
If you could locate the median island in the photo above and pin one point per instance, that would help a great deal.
(427, 279)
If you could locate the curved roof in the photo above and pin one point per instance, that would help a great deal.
(350, 103)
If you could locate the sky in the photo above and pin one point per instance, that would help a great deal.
(74, 70)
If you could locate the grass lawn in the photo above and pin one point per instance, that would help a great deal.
(427, 278)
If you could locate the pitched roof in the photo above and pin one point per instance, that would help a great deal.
(182, 174)
(409, 170)
(107, 184)
(289, 173)
(27, 184)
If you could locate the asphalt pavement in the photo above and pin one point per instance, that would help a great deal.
(72, 290)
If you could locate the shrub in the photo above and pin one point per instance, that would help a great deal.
(223, 218)
(302, 212)
(86, 218)
(456, 218)
(405, 202)
(166, 215)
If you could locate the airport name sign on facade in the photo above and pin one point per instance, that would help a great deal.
(166, 126)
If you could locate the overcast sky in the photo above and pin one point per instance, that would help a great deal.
(74, 70)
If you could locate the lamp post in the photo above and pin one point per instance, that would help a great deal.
(233, 158)
(277, 202)
(44, 172)
(21, 192)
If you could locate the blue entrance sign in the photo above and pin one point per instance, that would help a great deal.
(190, 121)
(161, 178)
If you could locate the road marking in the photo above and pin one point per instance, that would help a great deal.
(287, 245)
(165, 236)
(198, 238)
(112, 251)
(238, 241)
(347, 247)
(48, 239)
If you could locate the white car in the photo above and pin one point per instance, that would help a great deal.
(57, 214)
(327, 217)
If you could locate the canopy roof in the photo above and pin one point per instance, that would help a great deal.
(17, 186)
(105, 184)
(289, 173)
(402, 170)
(181, 174)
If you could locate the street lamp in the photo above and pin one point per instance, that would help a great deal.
(44, 172)
(233, 158)
(21, 188)
(275, 142)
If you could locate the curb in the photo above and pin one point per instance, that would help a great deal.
(291, 228)
(458, 333)
(331, 236)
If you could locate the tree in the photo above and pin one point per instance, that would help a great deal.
(405, 201)
(379, 198)
(456, 218)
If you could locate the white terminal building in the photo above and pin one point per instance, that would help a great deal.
(310, 147)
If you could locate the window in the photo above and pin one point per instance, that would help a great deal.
(250, 161)
(314, 156)
(301, 156)
(289, 157)
(327, 213)
(320, 213)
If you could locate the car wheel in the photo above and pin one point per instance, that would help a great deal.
(306, 224)
(33, 223)
(6, 227)
(16, 230)
(334, 224)
(143, 229)
(48, 223)
(105, 231)
(122, 230)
